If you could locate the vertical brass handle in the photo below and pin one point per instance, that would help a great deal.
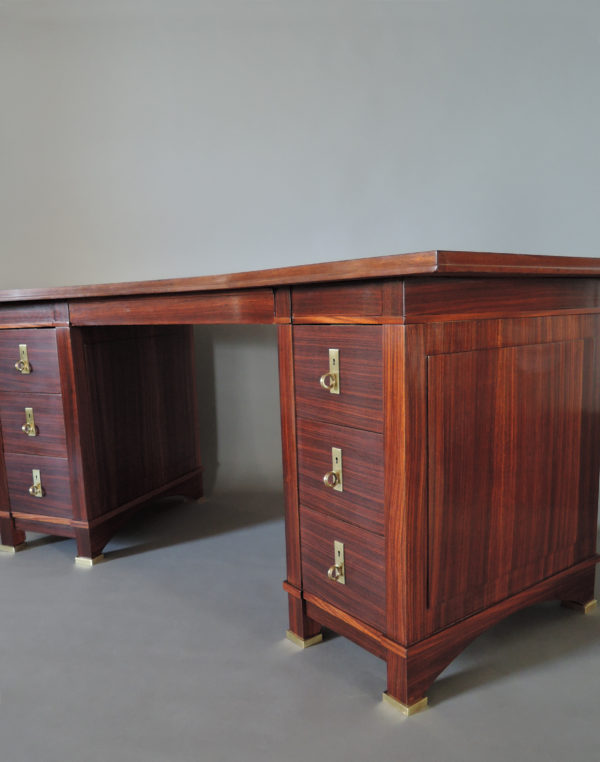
(36, 489)
(23, 365)
(29, 426)
(334, 478)
(331, 381)
(337, 572)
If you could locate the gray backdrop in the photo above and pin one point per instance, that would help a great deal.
(161, 138)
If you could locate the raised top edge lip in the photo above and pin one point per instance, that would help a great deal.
(430, 262)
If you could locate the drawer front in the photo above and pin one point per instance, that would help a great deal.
(363, 595)
(48, 419)
(360, 401)
(360, 501)
(43, 358)
(54, 472)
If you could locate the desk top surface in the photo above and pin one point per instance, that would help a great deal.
(435, 263)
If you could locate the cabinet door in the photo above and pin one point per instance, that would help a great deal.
(506, 441)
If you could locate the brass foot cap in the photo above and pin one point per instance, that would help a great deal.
(298, 641)
(583, 608)
(418, 706)
(12, 548)
(87, 563)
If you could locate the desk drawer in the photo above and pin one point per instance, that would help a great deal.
(43, 358)
(54, 472)
(363, 594)
(48, 418)
(361, 500)
(360, 401)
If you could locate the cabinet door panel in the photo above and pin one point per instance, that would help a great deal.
(505, 440)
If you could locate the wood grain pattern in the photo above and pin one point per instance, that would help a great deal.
(361, 502)
(41, 349)
(360, 402)
(249, 306)
(55, 480)
(454, 298)
(364, 299)
(394, 266)
(365, 302)
(299, 622)
(410, 676)
(363, 595)
(504, 453)
(140, 430)
(49, 422)
(29, 315)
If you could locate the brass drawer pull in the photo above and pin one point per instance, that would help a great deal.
(36, 489)
(29, 426)
(337, 572)
(333, 478)
(23, 365)
(331, 380)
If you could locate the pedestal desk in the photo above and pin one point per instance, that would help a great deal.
(440, 420)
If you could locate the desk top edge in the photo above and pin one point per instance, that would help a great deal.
(435, 262)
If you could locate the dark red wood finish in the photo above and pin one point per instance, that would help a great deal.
(41, 350)
(505, 453)
(32, 315)
(363, 595)
(300, 624)
(434, 299)
(55, 503)
(124, 423)
(363, 302)
(361, 501)
(395, 266)
(49, 422)
(469, 413)
(360, 401)
(249, 306)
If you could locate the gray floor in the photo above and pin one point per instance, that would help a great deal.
(173, 650)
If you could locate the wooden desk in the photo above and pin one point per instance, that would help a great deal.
(440, 424)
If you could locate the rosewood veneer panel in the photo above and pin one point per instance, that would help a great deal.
(42, 353)
(363, 595)
(453, 298)
(55, 480)
(49, 422)
(360, 401)
(248, 306)
(505, 434)
(361, 502)
(367, 302)
(32, 314)
(137, 394)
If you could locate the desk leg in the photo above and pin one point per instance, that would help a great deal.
(12, 538)
(303, 630)
(580, 597)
